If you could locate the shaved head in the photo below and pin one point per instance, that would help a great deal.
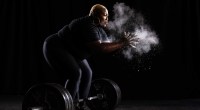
(97, 9)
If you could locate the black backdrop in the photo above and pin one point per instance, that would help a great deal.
(174, 69)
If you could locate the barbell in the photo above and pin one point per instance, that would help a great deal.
(104, 94)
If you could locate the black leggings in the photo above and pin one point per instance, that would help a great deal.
(76, 71)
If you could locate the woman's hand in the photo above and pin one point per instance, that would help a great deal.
(130, 39)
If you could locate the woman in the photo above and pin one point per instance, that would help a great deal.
(68, 50)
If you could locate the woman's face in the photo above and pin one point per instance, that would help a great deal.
(104, 18)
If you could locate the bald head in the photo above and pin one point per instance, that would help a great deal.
(100, 15)
(97, 10)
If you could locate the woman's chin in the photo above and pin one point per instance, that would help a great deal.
(105, 25)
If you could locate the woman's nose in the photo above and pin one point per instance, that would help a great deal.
(107, 18)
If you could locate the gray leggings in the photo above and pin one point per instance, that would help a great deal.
(76, 71)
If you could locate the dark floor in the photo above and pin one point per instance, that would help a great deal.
(14, 103)
(184, 104)
(10, 102)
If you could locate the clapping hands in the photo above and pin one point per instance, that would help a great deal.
(130, 39)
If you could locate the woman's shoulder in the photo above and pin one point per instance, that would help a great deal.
(85, 22)
(81, 20)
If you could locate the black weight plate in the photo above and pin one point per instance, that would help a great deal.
(48, 96)
(110, 91)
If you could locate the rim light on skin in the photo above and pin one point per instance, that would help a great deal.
(101, 13)
(104, 18)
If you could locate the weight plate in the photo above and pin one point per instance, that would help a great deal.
(48, 96)
(110, 91)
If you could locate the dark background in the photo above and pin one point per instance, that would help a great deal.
(174, 65)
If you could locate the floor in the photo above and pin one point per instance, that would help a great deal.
(10, 102)
(186, 104)
(14, 103)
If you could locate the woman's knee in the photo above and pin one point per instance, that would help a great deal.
(77, 74)
(90, 73)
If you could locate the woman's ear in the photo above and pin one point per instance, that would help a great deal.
(96, 20)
